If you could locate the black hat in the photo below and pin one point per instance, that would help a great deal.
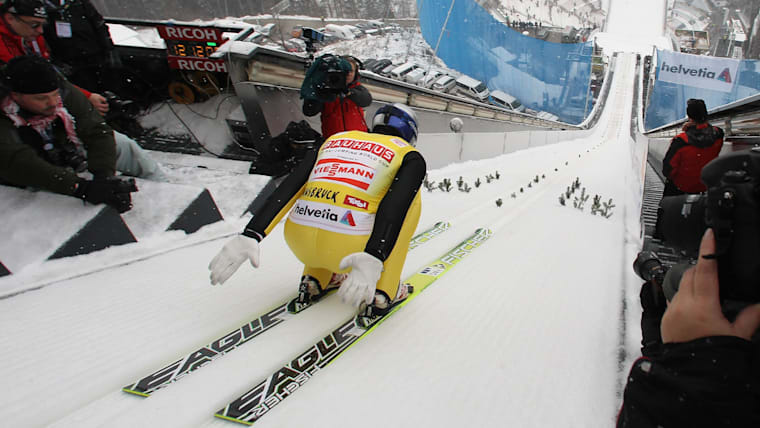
(696, 110)
(31, 74)
(35, 8)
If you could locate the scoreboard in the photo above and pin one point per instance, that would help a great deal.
(189, 48)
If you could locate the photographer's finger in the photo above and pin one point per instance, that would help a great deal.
(747, 322)
(706, 275)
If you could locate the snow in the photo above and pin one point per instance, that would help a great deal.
(528, 331)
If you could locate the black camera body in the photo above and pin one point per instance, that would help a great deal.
(731, 207)
(335, 73)
(118, 107)
(311, 36)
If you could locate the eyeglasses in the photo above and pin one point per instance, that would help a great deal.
(32, 25)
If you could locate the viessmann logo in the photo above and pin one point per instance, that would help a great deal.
(355, 174)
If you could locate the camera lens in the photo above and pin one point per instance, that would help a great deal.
(649, 267)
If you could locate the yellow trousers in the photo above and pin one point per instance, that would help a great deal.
(321, 251)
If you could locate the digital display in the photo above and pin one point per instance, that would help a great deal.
(192, 49)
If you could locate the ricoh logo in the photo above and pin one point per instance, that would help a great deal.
(703, 72)
(356, 202)
(362, 146)
(354, 174)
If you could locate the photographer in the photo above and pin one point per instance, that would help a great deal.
(340, 99)
(81, 44)
(708, 374)
(49, 133)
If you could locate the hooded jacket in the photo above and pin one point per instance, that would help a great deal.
(688, 153)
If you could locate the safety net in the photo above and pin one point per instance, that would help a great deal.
(544, 76)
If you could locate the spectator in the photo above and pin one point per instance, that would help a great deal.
(345, 111)
(80, 43)
(707, 374)
(690, 151)
(21, 33)
(50, 134)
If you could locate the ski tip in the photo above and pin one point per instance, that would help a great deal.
(227, 418)
(128, 390)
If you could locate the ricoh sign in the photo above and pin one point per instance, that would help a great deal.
(188, 48)
(198, 64)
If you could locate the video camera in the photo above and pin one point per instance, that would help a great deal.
(325, 78)
(730, 207)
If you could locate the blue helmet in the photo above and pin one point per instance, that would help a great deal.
(396, 119)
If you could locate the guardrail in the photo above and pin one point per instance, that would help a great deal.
(255, 63)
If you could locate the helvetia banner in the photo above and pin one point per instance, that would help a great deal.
(699, 71)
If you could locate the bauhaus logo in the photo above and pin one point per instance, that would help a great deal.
(361, 146)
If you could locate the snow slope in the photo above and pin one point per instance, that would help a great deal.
(529, 322)
(535, 329)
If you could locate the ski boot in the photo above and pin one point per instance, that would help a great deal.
(380, 306)
(310, 292)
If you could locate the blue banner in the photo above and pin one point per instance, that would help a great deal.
(679, 76)
(544, 76)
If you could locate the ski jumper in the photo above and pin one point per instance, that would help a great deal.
(360, 193)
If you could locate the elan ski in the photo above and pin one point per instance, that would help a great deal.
(255, 403)
(232, 340)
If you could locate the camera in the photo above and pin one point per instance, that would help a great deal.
(119, 108)
(730, 208)
(335, 70)
(310, 36)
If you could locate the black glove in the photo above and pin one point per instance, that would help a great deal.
(112, 191)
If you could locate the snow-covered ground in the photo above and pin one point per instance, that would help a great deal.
(537, 328)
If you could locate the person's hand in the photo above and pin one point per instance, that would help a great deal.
(232, 255)
(99, 102)
(112, 191)
(695, 310)
(359, 285)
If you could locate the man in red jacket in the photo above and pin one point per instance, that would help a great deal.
(21, 28)
(344, 112)
(690, 151)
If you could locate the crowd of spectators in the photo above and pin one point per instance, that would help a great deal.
(53, 133)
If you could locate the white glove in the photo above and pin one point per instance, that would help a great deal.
(232, 255)
(359, 285)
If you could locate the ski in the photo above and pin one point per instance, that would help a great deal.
(254, 404)
(232, 340)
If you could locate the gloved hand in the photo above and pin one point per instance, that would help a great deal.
(359, 285)
(231, 256)
(112, 191)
